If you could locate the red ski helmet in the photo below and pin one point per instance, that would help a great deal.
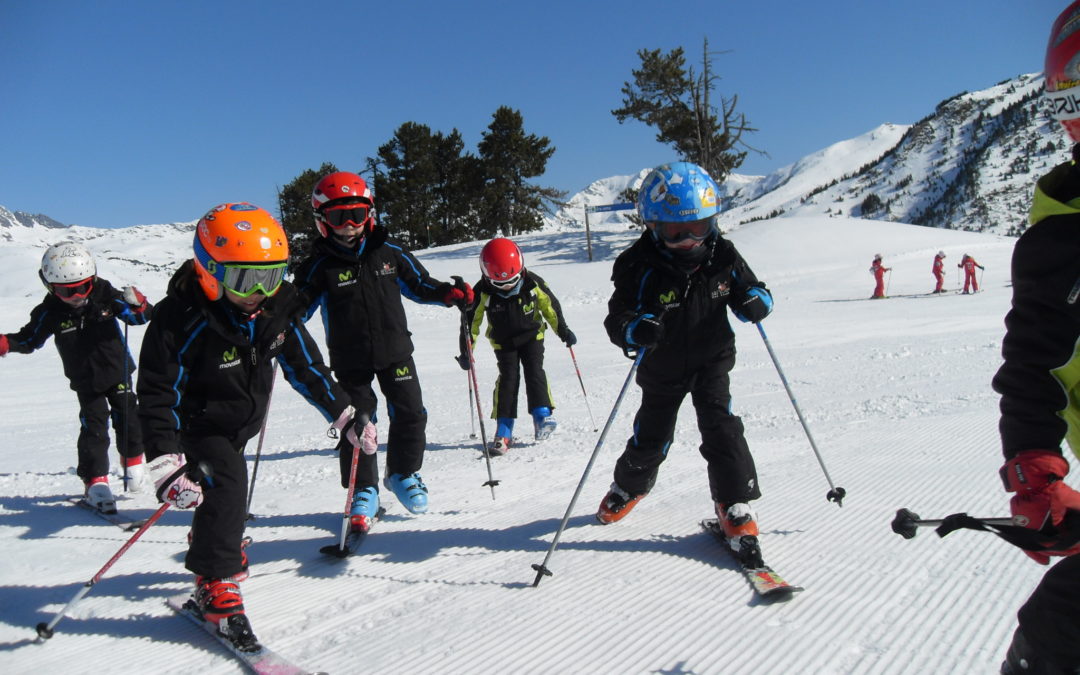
(501, 262)
(1062, 70)
(339, 199)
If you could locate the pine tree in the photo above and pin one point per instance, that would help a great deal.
(405, 192)
(510, 205)
(294, 211)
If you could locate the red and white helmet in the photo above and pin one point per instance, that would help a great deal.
(1062, 70)
(501, 262)
(340, 199)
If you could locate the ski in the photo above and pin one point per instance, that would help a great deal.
(256, 656)
(765, 581)
(125, 523)
(353, 539)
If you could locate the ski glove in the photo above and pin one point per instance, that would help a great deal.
(1042, 497)
(4, 346)
(135, 298)
(358, 430)
(174, 484)
(568, 338)
(751, 304)
(460, 294)
(644, 330)
(463, 361)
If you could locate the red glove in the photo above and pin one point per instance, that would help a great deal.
(4, 348)
(460, 294)
(135, 298)
(1042, 497)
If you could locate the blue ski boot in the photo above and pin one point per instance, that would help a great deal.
(365, 504)
(543, 422)
(410, 491)
(504, 431)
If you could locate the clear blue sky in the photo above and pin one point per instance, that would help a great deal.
(126, 112)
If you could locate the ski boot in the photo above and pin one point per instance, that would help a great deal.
(100, 496)
(410, 491)
(740, 528)
(616, 504)
(218, 601)
(138, 478)
(365, 506)
(543, 423)
(499, 447)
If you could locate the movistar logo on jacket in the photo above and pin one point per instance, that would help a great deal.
(67, 326)
(230, 358)
(402, 373)
(669, 297)
(346, 278)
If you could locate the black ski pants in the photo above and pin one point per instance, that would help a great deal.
(218, 524)
(732, 475)
(95, 410)
(1050, 619)
(407, 437)
(530, 358)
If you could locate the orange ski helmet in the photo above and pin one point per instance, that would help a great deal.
(339, 199)
(241, 247)
(1062, 70)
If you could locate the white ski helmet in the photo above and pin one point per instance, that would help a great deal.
(67, 262)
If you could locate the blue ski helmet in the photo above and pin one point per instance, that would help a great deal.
(678, 192)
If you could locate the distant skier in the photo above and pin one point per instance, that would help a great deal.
(969, 265)
(518, 305)
(1039, 383)
(939, 271)
(878, 270)
(205, 385)
(673, 289)
(81, 311)
(356, 276)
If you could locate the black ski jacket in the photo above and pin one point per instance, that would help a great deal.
(89, 338)
(515, 319)
(691, 307)
(206, 370)
(359, 295)
(1039, 381)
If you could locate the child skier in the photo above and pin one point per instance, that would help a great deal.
(81, 310)
(1038, 384)
(673, 288)
(878, 270)
(939, 271)
(969, 265)
(517, 303)
(357, 274)
(205, 385)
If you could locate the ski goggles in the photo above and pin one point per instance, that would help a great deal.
(345, 215)
(245, 280)
(506, 284)
(697, 230)
(73, 291)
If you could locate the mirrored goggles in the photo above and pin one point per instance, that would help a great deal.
(338, 217)
(506, 284)
(244, 280)
(75, 290)
(697, 230)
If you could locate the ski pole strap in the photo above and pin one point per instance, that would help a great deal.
(1064, 537)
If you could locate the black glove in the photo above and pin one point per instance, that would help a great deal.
(463, 361)
(644, 330)
(568, 338)
(751, 304)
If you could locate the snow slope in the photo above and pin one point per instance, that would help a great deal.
(896, 393)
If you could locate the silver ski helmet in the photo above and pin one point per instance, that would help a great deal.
(66, 263)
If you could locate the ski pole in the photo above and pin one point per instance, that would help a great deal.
(45, 630)
(836, 494)
(127, 395)
(907, 522)
(542, 569)
(467, 338)
(472, 422)
(582, 382)
(348, 499)
(262, 436)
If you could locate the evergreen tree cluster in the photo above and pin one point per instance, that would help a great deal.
(429, 191)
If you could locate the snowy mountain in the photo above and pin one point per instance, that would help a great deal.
(11, 219)
(896, 393)
(969, 165)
